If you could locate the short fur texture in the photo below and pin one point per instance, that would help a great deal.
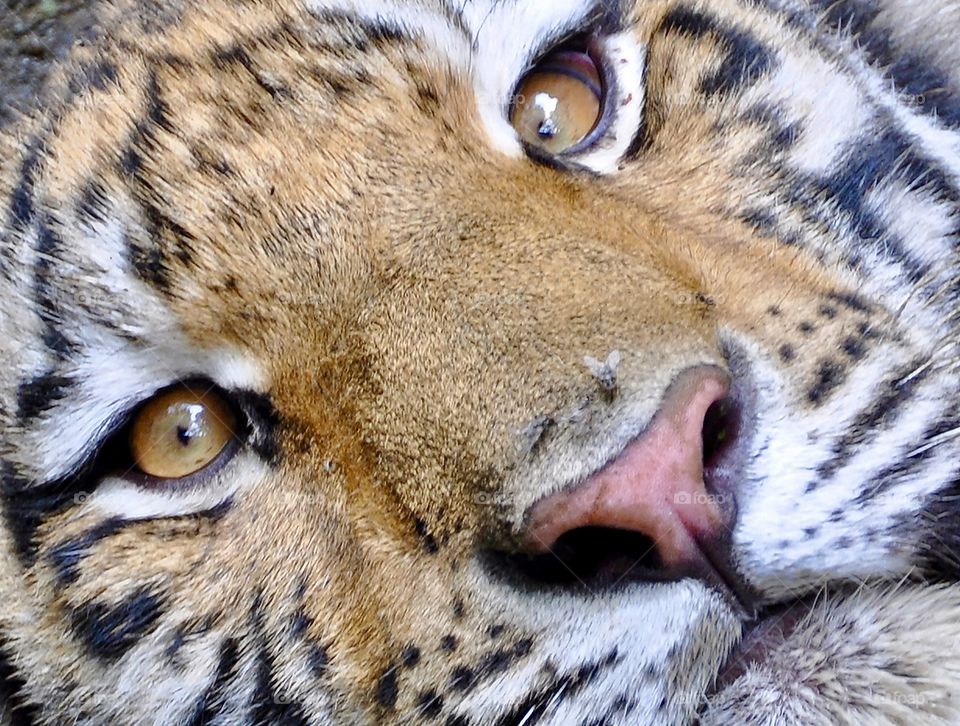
(319, 208)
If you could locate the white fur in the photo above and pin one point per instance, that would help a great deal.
(849, 662)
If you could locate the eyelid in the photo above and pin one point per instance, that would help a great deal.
(608, 100)
(118, 497)
(190, 481)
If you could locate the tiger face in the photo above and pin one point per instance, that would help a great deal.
(487, 362)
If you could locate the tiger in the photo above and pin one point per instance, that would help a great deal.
(484, 362)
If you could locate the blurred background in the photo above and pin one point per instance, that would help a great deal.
(34, 33)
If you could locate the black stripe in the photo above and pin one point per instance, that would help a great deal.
(849, 16)
(782, 132)
(909, 467)
(532, 709)
(97, 76)
(610, 16)
(151, 258)
(157, 109)
(147, 257)
(142, 142)
(918, 77)
(318, 657)
(12, 695)
(495, 662)
(149, 263)
(923, 173)
(851, 300)
(358, 33)
(237, 55)
(22, 201)
(881, 414)
(26, 507)
(267, 707)
(747, 59)
(429, 542)
(214, 699)
(489, 666)
(941, 545)
(913, 73)
(110, 630)
(318, 660)
(49, 246)
(65, 557)
(830, 375)
(265, 423)
(167, 234)
(869, 164)
(92, 203)
(39, 394)
(689, 22)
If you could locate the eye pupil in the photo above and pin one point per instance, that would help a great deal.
(548, 129)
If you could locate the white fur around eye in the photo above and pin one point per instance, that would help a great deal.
(625, 57)
(118, 497)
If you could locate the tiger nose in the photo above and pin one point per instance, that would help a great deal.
(656, 487)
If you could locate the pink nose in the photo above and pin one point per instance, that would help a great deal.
(655, 487)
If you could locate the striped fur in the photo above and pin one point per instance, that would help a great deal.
(320, 208)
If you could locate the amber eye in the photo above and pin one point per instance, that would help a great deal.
(179, 432)
(559, 102)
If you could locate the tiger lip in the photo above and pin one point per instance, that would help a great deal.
(761, 636)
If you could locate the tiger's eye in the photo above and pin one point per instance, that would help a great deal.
(180, 432)
(559, 102)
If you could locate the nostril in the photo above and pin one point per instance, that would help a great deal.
(721, 431)
(715, 431)
(721, 426)
(593, 557)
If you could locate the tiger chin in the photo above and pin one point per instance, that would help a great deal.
(582, 362)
